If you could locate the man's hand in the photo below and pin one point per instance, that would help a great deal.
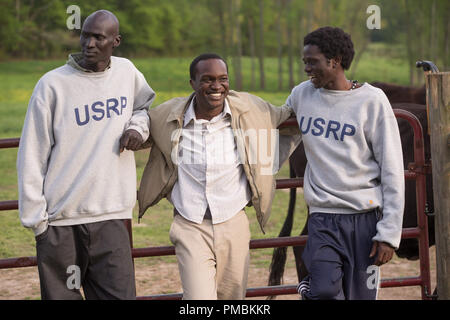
(385, 252)
(130, 140)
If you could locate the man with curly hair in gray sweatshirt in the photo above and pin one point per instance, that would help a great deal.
(354, 179)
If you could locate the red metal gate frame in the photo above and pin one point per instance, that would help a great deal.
(420, 232)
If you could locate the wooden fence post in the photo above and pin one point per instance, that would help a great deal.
(438, 99)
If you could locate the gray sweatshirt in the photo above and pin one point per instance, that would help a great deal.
(354, 153)
(69, 167)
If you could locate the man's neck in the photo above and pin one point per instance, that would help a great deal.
(97, 67)
(339, 83)
(205, 113)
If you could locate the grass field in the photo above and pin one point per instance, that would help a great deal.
(169, 78)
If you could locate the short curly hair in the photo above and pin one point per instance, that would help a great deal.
(333, 43)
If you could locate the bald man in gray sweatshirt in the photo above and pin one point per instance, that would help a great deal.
(76, 168)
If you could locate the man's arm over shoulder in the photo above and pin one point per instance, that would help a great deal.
(289, 137)
(278, 115)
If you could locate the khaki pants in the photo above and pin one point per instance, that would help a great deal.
(213, 259)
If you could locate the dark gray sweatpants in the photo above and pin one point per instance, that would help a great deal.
(95, 256)
(337, 256)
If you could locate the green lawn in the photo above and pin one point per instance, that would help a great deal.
(169, 78)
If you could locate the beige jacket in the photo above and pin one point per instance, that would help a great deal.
(251, 117)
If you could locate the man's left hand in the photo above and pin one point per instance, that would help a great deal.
(385, 252)
(130, 140)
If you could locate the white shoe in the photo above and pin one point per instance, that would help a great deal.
(303, 287)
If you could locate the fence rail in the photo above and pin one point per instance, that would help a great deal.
(420, 232)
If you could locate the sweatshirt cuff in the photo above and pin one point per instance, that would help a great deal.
(143, 134)
(393, 243)
(40, 228)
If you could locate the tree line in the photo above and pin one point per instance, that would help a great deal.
(233, 28)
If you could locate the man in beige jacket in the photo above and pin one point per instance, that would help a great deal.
(212, 154)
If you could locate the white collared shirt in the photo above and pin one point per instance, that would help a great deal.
(209, 170)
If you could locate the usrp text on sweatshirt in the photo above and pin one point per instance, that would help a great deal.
(69, 167)
(354, 153)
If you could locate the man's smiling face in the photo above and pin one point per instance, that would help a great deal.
(211, 84)
(318, 67)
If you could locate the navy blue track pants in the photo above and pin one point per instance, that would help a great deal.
(337, 256)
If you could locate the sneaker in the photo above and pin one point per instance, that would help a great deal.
(303, 287)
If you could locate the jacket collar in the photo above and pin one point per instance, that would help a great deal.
(235, 102)
(189, 115)
(179, 109)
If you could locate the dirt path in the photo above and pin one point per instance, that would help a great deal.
(23, 283)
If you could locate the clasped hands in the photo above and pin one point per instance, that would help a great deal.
(130, 140)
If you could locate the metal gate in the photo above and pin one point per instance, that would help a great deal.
(420, 232)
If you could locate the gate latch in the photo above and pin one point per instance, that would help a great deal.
(420, 169)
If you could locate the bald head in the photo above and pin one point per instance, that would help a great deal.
(105, 17)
